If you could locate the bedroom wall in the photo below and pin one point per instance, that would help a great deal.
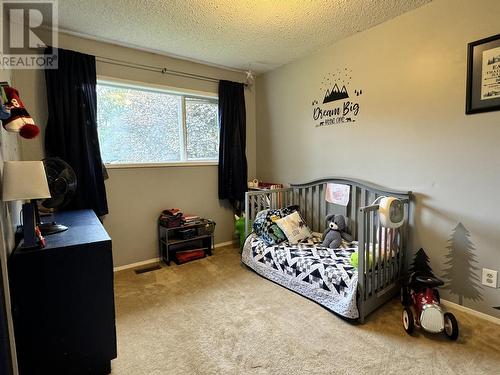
(9, 219)
(136, 196)
(411, 132)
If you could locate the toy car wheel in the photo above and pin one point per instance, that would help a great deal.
(450, 326)
(408, 322)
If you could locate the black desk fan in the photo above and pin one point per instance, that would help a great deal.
(62, 185)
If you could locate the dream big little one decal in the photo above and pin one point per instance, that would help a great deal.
(340, 102)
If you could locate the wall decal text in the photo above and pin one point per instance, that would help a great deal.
(339, 105)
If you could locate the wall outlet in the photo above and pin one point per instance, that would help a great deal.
(490, 278)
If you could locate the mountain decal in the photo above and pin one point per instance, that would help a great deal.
(335, 94)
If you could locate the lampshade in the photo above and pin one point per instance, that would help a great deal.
(24, 180)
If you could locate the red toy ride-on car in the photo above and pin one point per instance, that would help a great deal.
(421, 307)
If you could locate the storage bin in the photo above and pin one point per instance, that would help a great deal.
(207, 227)
(185, 234)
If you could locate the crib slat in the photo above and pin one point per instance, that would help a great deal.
(401, 244)
(387, 257)
(367, 255)
(372, 267)
(304, 205)
(354, 210)
(384, 255)
(317, 189)
(363, 197)
(308, 206)
(252, 208)
(323, 207)
(361, 255)
(301, 200)
(379, 260)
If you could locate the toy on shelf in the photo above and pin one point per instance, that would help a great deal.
(421, 301)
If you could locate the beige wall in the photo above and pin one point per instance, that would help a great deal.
(9, 150)
(137, 196)
(9, 217)
(411, 132)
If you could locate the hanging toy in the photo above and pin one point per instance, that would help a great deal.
(4, 111)
(20, 120)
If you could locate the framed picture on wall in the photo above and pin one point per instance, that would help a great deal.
(483, 75)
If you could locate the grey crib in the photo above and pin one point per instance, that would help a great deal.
(379, 280)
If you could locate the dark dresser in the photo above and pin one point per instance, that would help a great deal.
(63, 301)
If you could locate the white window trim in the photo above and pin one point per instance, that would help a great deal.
(162, 165)
(106, 80)
(163, 88)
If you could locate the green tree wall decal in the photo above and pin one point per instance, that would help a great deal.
(460, 271)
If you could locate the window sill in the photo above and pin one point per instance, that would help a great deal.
(161, 165)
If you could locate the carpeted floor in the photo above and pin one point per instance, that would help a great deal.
(215, 316)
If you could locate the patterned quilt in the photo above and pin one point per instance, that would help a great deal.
(321, 274)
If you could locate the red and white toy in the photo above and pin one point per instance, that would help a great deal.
(20, 120)
(422, 307)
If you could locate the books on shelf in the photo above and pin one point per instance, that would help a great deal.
(190, 219)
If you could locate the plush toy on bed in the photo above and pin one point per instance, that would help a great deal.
(336, 230)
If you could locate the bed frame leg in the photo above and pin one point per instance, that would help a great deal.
(361, 309)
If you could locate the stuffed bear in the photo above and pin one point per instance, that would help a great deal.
(336, 229)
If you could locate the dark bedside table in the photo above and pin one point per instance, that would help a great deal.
(63, 300)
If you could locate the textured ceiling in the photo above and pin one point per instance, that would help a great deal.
(241, 34)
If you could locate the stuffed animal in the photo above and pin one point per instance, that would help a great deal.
(19, 120)
(336, 229)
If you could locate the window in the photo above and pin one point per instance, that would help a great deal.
(138, 125)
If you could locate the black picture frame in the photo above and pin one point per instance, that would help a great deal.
(477, 100)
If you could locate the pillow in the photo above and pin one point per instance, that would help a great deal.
(266, 228)
(294, 227)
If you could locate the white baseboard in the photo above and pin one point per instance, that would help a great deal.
(470, 311)
(156, 260)
(137, 264)
(227, 243)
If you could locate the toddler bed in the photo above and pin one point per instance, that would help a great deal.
(324, 275)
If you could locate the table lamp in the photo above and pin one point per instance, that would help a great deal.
(27, 181)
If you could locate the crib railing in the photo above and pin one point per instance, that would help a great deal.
(259, 200)
(381, 252)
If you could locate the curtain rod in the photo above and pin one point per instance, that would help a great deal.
(108, 60)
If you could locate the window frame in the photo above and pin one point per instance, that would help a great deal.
(183, 93)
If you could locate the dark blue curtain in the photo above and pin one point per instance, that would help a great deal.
(232, 157)
(71, 132)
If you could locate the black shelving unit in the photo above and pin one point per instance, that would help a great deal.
(170, 242)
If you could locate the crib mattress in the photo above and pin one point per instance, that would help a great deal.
(323, 275)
